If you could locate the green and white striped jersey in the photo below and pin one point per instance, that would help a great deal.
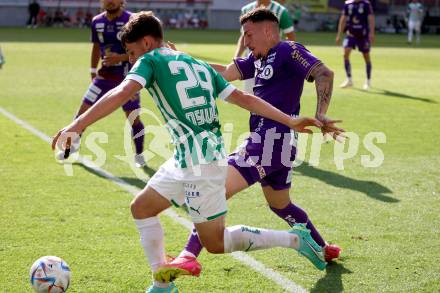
(286, 23)
(184, 89)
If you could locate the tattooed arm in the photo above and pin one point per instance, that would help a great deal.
(323, 77)
(324, 87)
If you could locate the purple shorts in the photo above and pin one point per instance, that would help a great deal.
(361, 43)
(100, 87)
(274, 170)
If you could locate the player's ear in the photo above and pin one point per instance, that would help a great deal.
(147, 43)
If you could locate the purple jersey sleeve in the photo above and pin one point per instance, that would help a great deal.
(94, 35)
(299, 60)
(245, 66)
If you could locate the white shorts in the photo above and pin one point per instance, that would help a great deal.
(414, 25)
(202, 188)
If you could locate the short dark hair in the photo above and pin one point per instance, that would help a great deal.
(258, 15)
(141, 24)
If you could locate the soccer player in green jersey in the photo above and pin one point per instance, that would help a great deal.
(184, 89)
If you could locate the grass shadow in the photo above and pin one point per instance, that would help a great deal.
(332, 281)
(130, 180)
(369, 188)
(392, 94)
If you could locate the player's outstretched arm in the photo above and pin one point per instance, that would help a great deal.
(262, 108)
(323, 77)
(229, 72)
(111, 101)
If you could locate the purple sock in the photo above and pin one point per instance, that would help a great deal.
(368, 70)
(347, 67)
(194, 245)
(293, 214)
(137, 130)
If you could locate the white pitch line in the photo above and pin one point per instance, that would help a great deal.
(248, 260)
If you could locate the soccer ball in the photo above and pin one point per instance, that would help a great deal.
(50, 274)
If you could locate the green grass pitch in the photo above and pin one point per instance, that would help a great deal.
(386, 219)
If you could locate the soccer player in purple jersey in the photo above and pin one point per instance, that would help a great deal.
(357, 20)
(165, 73)
(108, 48)
(267, 155)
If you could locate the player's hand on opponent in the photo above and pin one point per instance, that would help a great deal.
(300, 124)
(329, 127)
(111, 59)
(171, 45)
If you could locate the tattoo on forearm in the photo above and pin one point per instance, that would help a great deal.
(324, 88)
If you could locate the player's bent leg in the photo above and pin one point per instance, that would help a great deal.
(235, 182)
(186, 260)
(148, 203)
(211, 235)
(308, 247)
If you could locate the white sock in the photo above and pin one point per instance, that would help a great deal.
(151, 234)
(244, 238)
(186, 253)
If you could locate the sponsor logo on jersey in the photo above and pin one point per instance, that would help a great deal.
(296, 55)
(271, 57)
(266, 73)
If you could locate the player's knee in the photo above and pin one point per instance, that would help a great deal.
(134, 207)
(137, 208)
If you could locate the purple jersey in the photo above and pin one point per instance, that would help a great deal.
(357, 13)
(106, 34)
(279, 80)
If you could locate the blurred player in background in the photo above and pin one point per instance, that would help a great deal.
(286, 28)
(33, 9)
(184, 90)
(267, 155)
(357, 21)
(2, 58)
(415, 18)
(108, 48)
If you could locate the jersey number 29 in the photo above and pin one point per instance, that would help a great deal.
(194, 80)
